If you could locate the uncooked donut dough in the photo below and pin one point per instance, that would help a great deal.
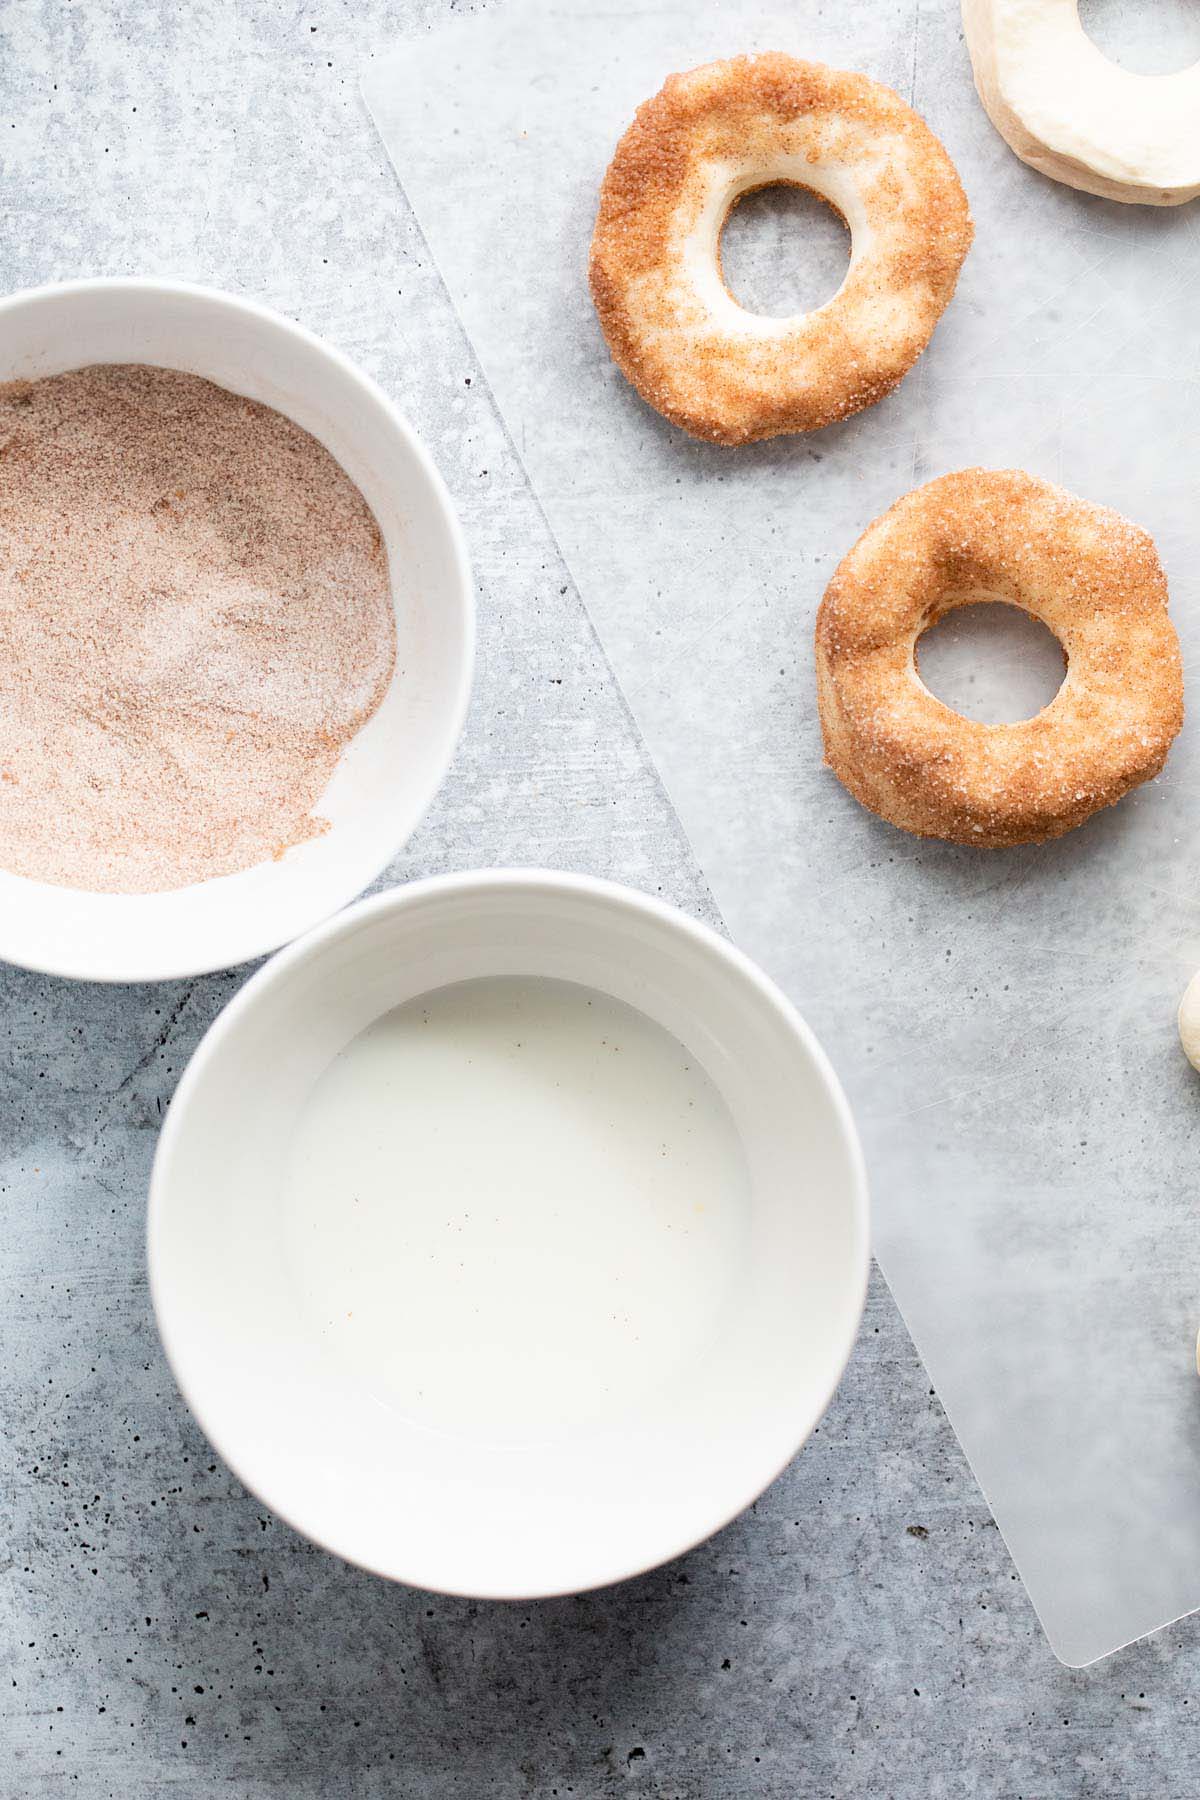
(1189, 1021)
(1066, 109)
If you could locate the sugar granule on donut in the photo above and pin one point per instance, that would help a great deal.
(708, 138)
(1087, 573)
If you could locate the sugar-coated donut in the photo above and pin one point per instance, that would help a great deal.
(1067, 110)
(706, 139)
(1086, 572)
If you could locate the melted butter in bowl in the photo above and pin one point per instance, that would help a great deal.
(516, 1206)
(508, 1233)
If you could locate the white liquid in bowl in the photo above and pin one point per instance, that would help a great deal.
(516, 1205)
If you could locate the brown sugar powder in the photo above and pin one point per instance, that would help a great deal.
(195, 618)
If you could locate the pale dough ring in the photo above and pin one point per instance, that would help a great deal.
(706, 139)
(1189, 1021)
(1067, 110)
(1086, 572)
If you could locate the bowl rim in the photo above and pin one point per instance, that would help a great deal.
(539, 882)
(262, 943)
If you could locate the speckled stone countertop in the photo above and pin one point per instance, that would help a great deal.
(862, 1631)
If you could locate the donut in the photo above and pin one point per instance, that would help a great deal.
(704, 141)
(1084, 571)
(1188, 1021)
(1058, 101)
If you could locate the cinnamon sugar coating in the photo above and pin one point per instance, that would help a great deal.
(1088, 574)
(706, 139)
(196, 617)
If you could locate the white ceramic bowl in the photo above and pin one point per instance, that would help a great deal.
(459, 1510)
(391, 770)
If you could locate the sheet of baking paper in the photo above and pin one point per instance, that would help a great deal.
(1003, 1021)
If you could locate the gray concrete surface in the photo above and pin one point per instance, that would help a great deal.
(862, 1631)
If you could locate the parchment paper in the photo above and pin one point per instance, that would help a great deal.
(1003, 1021)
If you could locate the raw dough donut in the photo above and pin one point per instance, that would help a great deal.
(717, 133)
(1086, 572)
(1057, 100)
(1189, 1021)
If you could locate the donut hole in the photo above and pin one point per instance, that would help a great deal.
(760, 261)
(1158, 39)
(991, 662)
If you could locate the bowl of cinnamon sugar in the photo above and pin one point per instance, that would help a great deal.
(236, 630)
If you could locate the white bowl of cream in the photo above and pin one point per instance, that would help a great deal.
(508, 1233)
(389, 769)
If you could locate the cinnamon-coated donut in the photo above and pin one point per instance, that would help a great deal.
(1086, 572)
(706, 139)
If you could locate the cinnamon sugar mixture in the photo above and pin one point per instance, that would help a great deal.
(195, 618)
